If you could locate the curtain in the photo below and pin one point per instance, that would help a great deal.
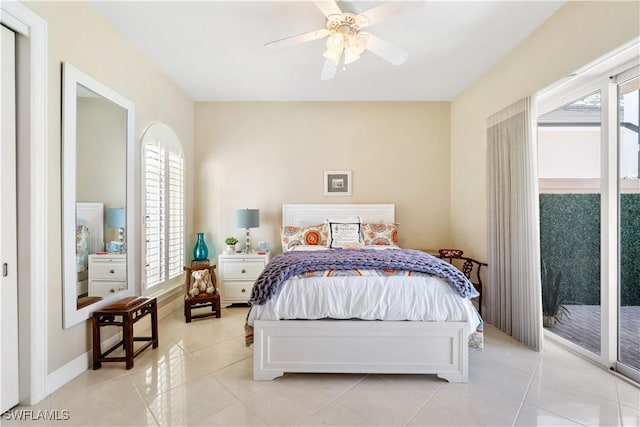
(514, 296)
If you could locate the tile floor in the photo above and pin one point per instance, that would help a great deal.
(201, 375)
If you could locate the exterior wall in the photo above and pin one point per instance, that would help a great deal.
(261, 155)
(79, 35)
(559, 46)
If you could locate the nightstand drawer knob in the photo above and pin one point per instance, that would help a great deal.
(112, 271)
(113, 291)
(243, 271)
(243, 290)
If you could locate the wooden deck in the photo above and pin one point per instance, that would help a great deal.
(583, 328)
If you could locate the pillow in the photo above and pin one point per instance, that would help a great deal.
(380, 234)
(307, 235)
(344, 233)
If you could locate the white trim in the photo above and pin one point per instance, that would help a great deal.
(70, 370)
(35, 28)
(574, 86)
(609, 227)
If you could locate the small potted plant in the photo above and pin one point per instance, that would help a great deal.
(231, 244)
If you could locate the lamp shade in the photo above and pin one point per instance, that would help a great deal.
(116, 218)
(248, 218)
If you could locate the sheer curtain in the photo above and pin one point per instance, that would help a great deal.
(514, 293)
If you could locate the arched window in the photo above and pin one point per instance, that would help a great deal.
(163, 184)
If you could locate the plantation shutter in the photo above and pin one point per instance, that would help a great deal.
(164, 214)
(154, 214)
(175, 238)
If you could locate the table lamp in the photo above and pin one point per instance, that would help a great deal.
(117, 218)
(247, 218)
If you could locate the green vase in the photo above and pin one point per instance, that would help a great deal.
(200, 251)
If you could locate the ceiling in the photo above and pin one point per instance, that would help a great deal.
(214, 50)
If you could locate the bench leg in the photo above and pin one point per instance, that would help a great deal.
(97, 352)
(127, 336)
(154, 323)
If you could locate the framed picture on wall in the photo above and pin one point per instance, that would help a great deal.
(337, 183)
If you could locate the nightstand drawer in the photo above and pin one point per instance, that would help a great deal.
(108, 271)
(242, 269)
(103, 289)
(237, 291)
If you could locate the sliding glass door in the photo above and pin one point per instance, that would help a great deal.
(569, 158)
(589, 180)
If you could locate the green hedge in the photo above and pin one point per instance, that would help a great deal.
(570, 243)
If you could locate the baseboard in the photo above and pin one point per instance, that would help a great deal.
(68, 372)
(77, 366)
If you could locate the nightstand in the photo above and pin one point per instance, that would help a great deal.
(107, 274)
(237, 273)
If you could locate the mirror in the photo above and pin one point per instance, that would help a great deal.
(97, 195)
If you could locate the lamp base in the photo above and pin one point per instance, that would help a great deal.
(123, 248)
(247, 242)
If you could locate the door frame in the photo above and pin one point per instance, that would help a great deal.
(597, 76)
(33, 271)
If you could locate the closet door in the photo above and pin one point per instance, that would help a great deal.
(9, 394)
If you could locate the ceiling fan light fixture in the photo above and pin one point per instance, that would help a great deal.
(332, 56)
(345, 43)
(335, 42)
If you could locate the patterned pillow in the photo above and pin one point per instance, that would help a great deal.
(380, 234)
(344, 234)
(308, 235)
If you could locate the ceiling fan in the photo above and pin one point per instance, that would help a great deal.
(345, 39)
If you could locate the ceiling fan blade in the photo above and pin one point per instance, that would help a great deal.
(381, 12)
(385, 50)
(328, 70)
(328, 7)
(301, 38)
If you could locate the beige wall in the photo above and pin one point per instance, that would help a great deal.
(575, 35)
(79, 35)
(261, 155)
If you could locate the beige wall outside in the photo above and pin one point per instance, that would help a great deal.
(261, 155)
(577, 34)
(79, 35)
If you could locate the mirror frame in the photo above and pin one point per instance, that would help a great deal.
(72, 77)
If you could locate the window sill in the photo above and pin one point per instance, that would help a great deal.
(166, 292)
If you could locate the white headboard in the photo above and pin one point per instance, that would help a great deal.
(92, 215)
(311, 214)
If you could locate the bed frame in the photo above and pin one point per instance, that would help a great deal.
(355, 346)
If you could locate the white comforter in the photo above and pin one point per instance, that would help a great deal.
(418, 298)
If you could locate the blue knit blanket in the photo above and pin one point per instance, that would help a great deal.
(289, 264)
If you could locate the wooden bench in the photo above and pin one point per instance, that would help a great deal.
(124, 313)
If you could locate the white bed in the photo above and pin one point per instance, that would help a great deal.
(357, 346)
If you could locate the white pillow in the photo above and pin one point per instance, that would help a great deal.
(344, 232)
